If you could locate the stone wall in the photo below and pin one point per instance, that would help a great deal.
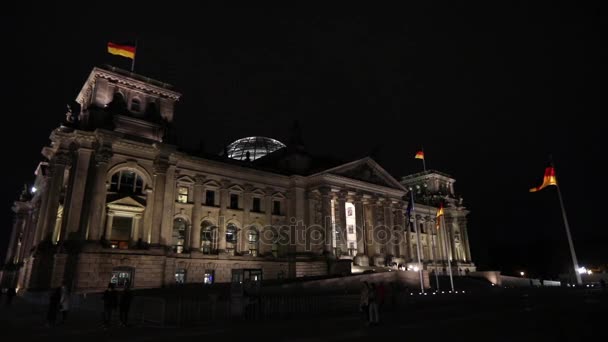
(94, 270)
(313, 268)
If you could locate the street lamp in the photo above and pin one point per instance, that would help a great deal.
(522, 273)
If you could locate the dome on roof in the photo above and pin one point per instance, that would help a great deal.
(256, 146)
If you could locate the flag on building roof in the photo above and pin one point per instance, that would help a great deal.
(419, 155)
(439, 214)
(548, 179)
(122, 50)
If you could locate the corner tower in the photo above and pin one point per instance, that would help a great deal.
(125, 102)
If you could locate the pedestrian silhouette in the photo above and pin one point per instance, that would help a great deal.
(125, 304)
(10, 294)
(51, 314)
(110, 301)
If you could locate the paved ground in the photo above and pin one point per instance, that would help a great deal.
(509, 315)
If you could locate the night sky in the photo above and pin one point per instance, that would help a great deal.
(489, 92)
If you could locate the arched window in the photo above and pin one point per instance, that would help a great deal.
(135, 105)
(207, 238)
(179, 234)
(127, 182)
(231, 238)
(252, 239)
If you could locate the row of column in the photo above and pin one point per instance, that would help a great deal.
(381, 214)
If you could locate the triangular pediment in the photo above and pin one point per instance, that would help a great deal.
(127, 201)
(366, 170)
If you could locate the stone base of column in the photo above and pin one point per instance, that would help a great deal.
(361, 260)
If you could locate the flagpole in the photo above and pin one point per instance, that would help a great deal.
(417, 243)
(447, 253)
(423, 159)
(436, 240)
(572, 253)
(134, 55)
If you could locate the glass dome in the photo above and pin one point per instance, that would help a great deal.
(256, 146)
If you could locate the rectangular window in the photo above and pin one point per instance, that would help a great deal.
(182, 194)
(421, 231)
(234, 201)
(351, 229)
(208, 278)
(256, 205)
(121, 277)
(210, 198)
(121, 228)
(276, 207)
(180, 276)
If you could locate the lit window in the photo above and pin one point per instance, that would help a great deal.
(182, 194)
(207, 238)
(208, 278)
(180, 276)
(122, 277)
(179, 235)
(127, 182)
(252, 238)
(231, 238)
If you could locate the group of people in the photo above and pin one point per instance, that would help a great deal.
(59, 302)
(372, 301)
(11, 292)
(112, 302)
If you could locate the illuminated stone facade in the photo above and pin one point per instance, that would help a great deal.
(114, 200)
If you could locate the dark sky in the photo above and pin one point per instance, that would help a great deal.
(489, 91)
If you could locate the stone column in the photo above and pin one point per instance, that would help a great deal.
(195, 231)
(397, 230)
(12, 244)
(168, 210)
(465, 238)
(109, 221)
(389, 219)
(360, 227)
(243, 241)
(341, 224)
(326, 217)
(372, 227)
(58, 166)
(266, 234)
(73, 214)
(224, 198)
(98, 200)
(41, 213)
(160, 170)
(452, 242)
(136, 228)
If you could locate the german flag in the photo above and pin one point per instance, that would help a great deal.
(121, 50)
(419, 155)
(439, 214)
(548, 179)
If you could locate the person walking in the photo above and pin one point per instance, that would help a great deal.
(64, 303)
(125, 304)
(51, 314)
(109, 304)
(381, 295)
(373, 305)
(364, 301)
(10, 295)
